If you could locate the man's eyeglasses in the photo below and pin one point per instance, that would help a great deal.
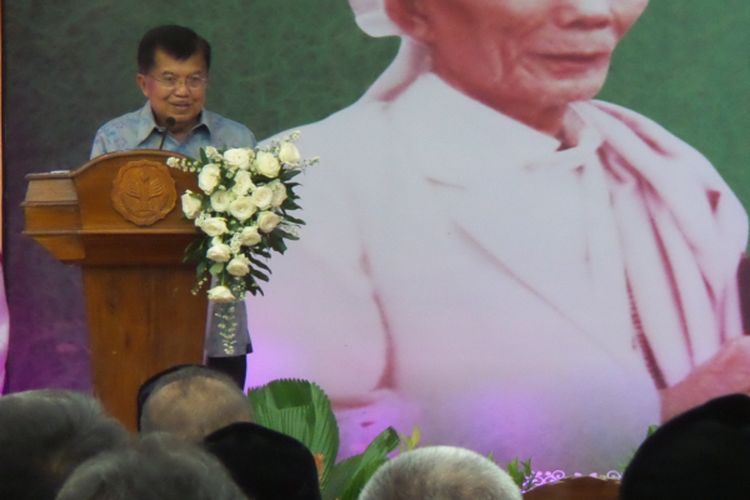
(194, 82)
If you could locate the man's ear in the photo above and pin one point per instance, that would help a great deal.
(140, 79)
(410, 16)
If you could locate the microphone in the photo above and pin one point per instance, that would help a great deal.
(168, 124)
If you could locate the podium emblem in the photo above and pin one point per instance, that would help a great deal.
(143, 192)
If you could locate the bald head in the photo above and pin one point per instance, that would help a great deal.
(194, 404)
(440, 473)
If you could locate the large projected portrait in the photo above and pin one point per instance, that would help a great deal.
(497, 258)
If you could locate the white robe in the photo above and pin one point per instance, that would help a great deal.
(460, 273)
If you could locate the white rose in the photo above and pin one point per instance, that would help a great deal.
(250, 236)
(209, 178)
(239, 266)
(262, 197)
(239, 157)
(220, 200)
(191, 204)
(242, 208)
(267, 164)
(267, 221)
(243, 183)
(213, 226)
(279, 193)
(220, 294)
(219, 253)
(288, 153)
(212, 153)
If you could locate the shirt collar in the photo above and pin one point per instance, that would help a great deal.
(451, 113)
(147, 124)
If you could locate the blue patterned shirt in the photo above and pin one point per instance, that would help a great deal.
(138, 130)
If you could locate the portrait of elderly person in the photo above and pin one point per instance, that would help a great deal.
(499, 259)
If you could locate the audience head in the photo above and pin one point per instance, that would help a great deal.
(45, 435)
(440, 473)
(161, 467)
(191, 402)
(703, 453)
(266, 464)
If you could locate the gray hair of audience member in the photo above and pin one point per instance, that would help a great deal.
(160, 467)
(192, 402)
(440, 473)
(45, 435)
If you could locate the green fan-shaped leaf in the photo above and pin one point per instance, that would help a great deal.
(347, 478)
(302, 410)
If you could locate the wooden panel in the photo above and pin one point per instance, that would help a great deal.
(51, 219)
(50, 188)
(577, 488)
(135, 249)
(94, 186)
(142, 317)
(68, 249)
(141, 321)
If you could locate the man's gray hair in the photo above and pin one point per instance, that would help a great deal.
(440, 473)
(45, 435)
(161, 467)
(193, 402)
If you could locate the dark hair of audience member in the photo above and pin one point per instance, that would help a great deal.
(45, 435)
(160, 467)
(179, 42)
(702, 454)
(266, 464)
(440, 473)
(192, 402)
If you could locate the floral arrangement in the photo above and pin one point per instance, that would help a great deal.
(243, 211)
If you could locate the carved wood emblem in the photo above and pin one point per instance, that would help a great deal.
(143, 192)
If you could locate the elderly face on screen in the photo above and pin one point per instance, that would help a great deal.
(518, 268)
(525, 58)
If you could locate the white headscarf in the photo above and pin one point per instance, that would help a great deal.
(412, 58)
(372, 18)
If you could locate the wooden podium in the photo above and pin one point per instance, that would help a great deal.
(119, 217)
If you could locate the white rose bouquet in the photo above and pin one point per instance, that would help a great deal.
(243, 210)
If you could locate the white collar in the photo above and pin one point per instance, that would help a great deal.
(443, 113)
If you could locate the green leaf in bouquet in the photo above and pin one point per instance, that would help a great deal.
(253, 287)
(290, 204)
(263, 252)
(201, 269)
(276, 242)
(204, 158)
(289, 173)
(258, 274)
(294, 220)
(259, 263)
(302, 410)
(216, 268)
(287, 235)
(195, 250)
(349, 477)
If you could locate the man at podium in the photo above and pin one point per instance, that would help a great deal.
(173, 68)
(173, 65)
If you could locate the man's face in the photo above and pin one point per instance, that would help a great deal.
(511, 53)
(182, 101)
